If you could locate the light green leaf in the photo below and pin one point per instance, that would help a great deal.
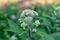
(14, 27)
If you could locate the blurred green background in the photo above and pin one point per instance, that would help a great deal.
(49, 16)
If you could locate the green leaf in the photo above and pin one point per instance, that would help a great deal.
(14, 27)
(46, 23)
(44, 36)
(56, 35)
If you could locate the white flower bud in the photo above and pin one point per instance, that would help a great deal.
(28, 19)
(13, 38)
(22, 14)
(55, 13)
(57, 8)
(34, 30)
(20, 20)
(13, 17)
(37, 23)
(23, 24)
(36, 14)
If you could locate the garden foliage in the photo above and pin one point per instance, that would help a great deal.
(39, 22)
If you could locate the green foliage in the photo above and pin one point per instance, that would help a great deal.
(14, 27)
(48, 16)
(56, 36)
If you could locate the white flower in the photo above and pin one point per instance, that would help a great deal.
(34, 30)
(22, 14)
(13, 17)
(20, 20)
(55, 13)
(23, 24)
(13, 38)
(37, 23)
(28, 12)
(28, 19)
(57, 8)
(36, 14)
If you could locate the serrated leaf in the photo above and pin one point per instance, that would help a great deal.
(44, 36)
(56, 35)
(14, 27)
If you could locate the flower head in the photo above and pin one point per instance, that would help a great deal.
(34, 30)
(13, 37)
(13, 17)
(28, 12)
(28, 20)
(37, 23)
(57, 12)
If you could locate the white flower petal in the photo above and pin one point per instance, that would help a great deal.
(23, 24)
(28, 19)
(13, 38)
(37, 23)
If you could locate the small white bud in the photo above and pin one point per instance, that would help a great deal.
(23, 24)
(28, 19)
(55, 13)
(36, 14)
(37, 23)
(34, 30)
(20, 20)
(13, 17)
(13, 37)
(57, 8)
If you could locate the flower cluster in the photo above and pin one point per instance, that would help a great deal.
(57, 12)
(26, 18)
(28, 12)
(57, 8)
(13, 38)
(37, 23)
